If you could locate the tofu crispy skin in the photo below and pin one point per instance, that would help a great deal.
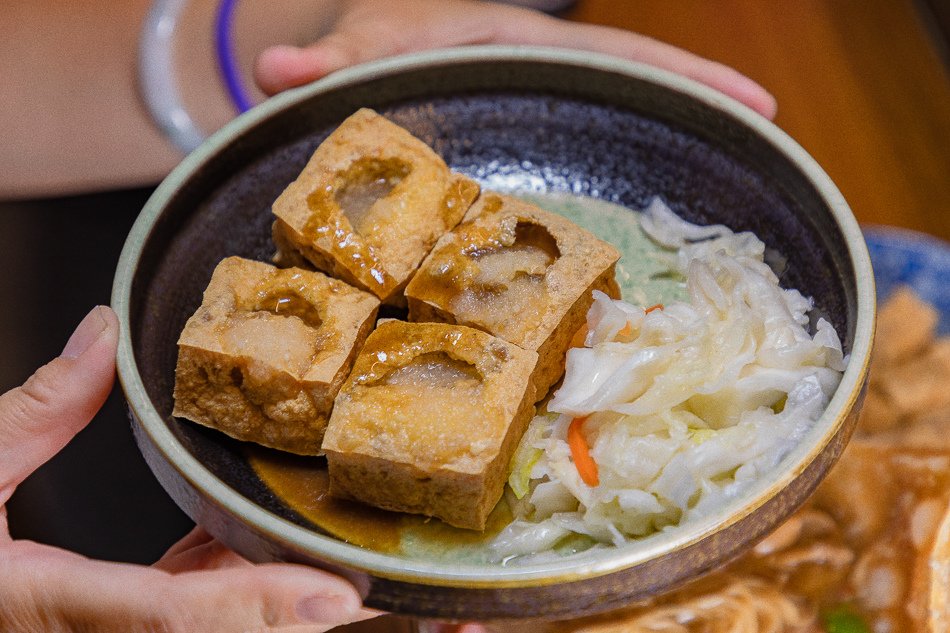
(266, 352)
(518, 272)
(428, 420)
(369, 205)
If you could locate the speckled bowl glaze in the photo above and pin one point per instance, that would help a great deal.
(535, 120)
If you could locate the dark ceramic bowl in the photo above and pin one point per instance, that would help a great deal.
(528, 119)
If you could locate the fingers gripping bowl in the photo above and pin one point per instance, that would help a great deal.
(529, 122)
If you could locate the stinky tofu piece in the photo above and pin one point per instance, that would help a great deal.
(265, 354)
(369, 205)
(428, 420)
(518, 272)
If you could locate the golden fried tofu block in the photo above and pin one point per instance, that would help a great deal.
(369, 205)
(518, 272)
(428, 420)
(266, 352)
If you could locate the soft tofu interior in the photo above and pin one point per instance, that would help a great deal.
(505, 292)
(362, 186)
(287, 344)
(265, 354)
(424, 412)
(275, 329)
(436, 370)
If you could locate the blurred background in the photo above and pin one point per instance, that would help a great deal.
(863, 85)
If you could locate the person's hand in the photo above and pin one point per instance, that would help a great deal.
(370, 29)
(198, 586)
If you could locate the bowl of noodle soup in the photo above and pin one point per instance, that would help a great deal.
(595, 137)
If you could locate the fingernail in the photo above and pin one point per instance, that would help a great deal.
(327, 609)
(85, 334)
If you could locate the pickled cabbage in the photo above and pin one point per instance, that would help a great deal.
(685, 406)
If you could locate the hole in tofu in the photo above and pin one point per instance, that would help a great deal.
(287, 303)
(434, 370)
(277, 326)
(428, 411)
(365, 183)
(530, 255)
(510, 281)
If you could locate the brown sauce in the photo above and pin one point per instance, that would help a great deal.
(460, 194)
(327, 225)
(535, 236)
(303, 483)
(288, 303)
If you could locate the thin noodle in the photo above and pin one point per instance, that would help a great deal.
(745, 605)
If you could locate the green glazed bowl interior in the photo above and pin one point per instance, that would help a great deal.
(523, 119)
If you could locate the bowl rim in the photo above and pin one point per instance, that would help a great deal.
(335, 552)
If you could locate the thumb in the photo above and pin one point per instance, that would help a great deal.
(48, 589)
(368, 32)
(55, 403)
(281, 67)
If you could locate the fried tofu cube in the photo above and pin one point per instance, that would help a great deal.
(369, 205)
(265, 354)
(428, 420)
(518, 272)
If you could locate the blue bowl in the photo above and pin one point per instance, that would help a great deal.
(903, 257)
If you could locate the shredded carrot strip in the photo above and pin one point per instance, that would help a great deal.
(579, 336)
(658, 306)
(580, 453)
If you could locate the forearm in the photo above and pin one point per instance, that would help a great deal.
(73, 119)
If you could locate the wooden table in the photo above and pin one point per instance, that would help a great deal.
(860, 85)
